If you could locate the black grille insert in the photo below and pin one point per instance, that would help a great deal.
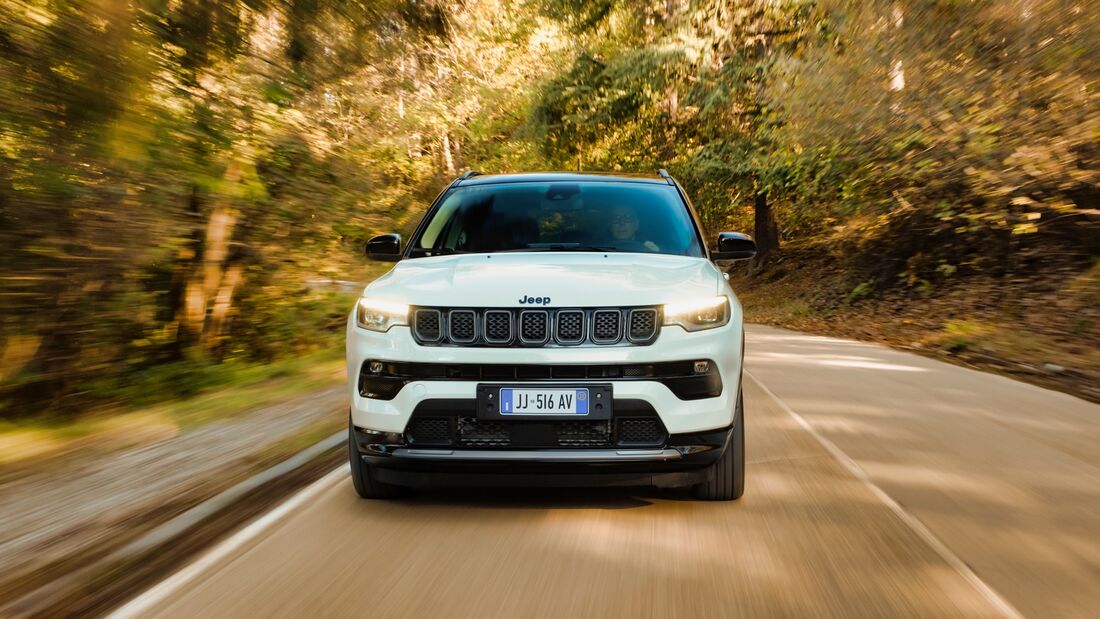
(463, 326)
(606, 326)
(498, 326)
(643, 325)
(534, 327)
(428, 325)
(570, 327)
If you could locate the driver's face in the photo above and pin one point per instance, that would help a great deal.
(624, 224)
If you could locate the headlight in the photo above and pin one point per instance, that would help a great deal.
(379, 315)
(698, 314)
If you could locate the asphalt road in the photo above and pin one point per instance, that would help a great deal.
(880, 484)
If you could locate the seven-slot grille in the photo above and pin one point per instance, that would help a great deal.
(536, 327)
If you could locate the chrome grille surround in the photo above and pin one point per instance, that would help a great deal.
(520, 327)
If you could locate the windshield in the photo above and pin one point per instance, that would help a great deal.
(560, 216)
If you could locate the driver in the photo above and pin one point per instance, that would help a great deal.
(624, 227)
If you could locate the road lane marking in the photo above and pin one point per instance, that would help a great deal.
(143, 604)
(989, 593)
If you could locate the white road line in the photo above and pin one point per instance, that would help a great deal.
(989, 593)
(144, 603)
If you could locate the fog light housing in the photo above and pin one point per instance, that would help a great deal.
(375, 367)
(389, 438)
(702, 367)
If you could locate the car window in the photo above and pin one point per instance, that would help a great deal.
(560, 216)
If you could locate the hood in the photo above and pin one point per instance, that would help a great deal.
(568, 279)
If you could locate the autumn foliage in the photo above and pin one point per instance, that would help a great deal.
(181, 183)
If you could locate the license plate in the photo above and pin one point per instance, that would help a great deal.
(514, 401)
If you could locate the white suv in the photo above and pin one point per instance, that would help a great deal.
(550, 329)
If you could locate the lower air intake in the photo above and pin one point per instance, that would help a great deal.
(640, 431)
(424, 431)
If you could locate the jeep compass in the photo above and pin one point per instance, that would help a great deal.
(550, 329)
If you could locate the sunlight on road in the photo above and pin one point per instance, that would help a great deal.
(836, 361)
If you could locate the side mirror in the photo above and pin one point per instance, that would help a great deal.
(385, 247)
(734, 246)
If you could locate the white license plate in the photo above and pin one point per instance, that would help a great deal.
(515, 401)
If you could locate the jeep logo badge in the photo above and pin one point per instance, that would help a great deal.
(526, 300)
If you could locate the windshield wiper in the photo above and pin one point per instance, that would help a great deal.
(424, 251)
(559, 247)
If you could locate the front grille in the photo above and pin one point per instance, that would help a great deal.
(428, 325)
(498, 326)
(474, 433)
(534, 327)
(462, 326)
(631, 326)
(643, 324)
(606, 326)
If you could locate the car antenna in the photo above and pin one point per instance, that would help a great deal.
(665, 175)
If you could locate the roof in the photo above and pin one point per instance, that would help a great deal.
(545, 177)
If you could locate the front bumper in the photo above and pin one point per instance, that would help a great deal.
(684, 461)
(721, 346)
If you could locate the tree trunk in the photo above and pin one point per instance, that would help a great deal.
(766, 231)
(204, 279)
(218, 232)
(897, 67)
(448, 160)
(185, 281)
(223, 302)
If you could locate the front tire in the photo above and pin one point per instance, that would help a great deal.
(727, 476)
(361, 478)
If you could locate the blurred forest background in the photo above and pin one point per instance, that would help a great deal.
(183, 184)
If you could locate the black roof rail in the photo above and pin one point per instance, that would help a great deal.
(665, 175)
(467, 174)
